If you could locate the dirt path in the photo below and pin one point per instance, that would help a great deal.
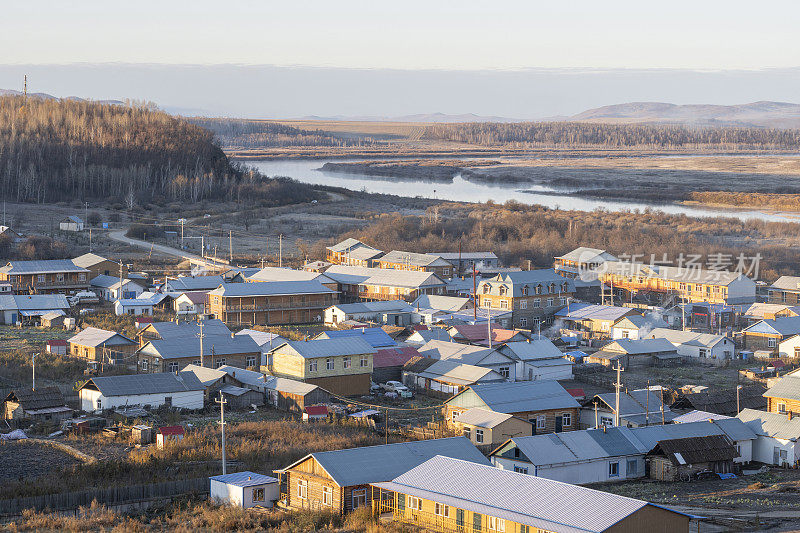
(120, 236)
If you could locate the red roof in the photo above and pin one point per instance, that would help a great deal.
(577, 393)
(393, 357)
(316, 410)
(777, 363)
(419, 327)
(171, 430)
(56, 342)
(144, 320)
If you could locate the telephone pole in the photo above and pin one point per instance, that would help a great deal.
(222, 403)
(182, 221)
(280, 250)
(33, 375)
(230, 241)
(201, 335)
(617, 386)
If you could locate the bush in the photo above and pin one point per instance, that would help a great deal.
(94, 219)
(144, 231)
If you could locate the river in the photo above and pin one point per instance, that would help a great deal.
(307, 171)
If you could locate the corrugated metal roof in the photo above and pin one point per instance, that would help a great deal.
(698, 416)
(413, 259)
(178, 347)
(788, 283)
(371, 464)
(289, 386)
(647, 437)
(520, 396)
(96, 337)
(33, 302)
(788, 325)
(584, 255)
(531, 350)
(271, 288)
(172, 330)
(581, 311)
(287, 274)
(529, 278)
(697, 449)
(634, 402)
(464, 256)
(530, 500)
(245, 479)
(88, 260)
(194, 283)
(134, 384)
(575, 446)
(376, 337)
(46, 266)
(426, 335)
(640, 346)
(442, 303)
(349, 244)
(248, 377)
(387, 277)
(687, 274)
(326, 347)
(678, 337)
(207, 376)
(388, 357)
(464, 353)
(456, 373)
(263, 338)
(397, 306)
(786, 387)
(482, 418)
(771, 424)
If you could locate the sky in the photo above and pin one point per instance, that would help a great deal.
(705, 37)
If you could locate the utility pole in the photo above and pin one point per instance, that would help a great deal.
(738, 388)
(280, 250)
(230, 241)
(617, 386)
(90, 239)
(182, 221)
(201, 335)
(203, 246)
(647, 406)
(119, 292)
(489, 324)
(222, 403)
(474, 294)
(386, 429)
(85, 212)
(33, 375)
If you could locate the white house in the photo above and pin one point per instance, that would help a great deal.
(717, 348)
(190, 303)
(181, 389)
(134, 306)
(245, 489)
(71, 223)
(392, 312)
(777, 436)
(537, 359)
(789, 347)
(635, 327)
(108, 288)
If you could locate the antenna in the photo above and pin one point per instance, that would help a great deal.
(221, 422)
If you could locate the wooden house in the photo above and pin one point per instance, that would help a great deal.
(100, 266)
(681, 459)
(443, 378)
(339, 480)
(45, 404)
(445, 495)
(375, 284)
(785, 290)
(352, 252)
(387, 363)
(53, 319)
(178, 329)
(71, 223)
(768, 334)
(289, 275)
(784, 395)
(465, 262)
(470, 355)
(398, 260)
(96, 344)
(29, 308)
(637, 408)
(593, 321)
(213, 379)
(581, 260)
(341, 366)
(644, 352)
(56, 347)
(545, 404)
(45, 277)
(292, 395)
(170, 355)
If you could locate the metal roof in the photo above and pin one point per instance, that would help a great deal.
(440, 303)
(271, 288)
(456, 373)
(289, 386)
(414, 259)
(687, 274)
(349, 244)
(398, 356)
(689, 338)
(482, 418)
(326, 347)
(639, 346)
(464, 256)
(634, 402)
(771, 424)
(464, 353)
(97, 337)
(46, 266)
(371, 464)
(531, 350)
(520, 396)
(647, 437)
(136, 384)
(426, 335)
(584, 254)
(786, 387)
(530, 278)
(88, 260)
(525, 499)
(581, 311)
(33, 302)
(245, 479)
(41, 398)
(397, 306)
(788, 325)
(698, 416)
(172, 330)
(179, 347)
(287, 274)
(207, 376)
(376, 337)
(787, 283)
(247, 377)
(193, 283)
(387, 277)
(263, 338)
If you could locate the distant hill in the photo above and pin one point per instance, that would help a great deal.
(756, 114)
(438, 118)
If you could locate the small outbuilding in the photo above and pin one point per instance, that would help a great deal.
(241, 398)
(169, 434)
(45, 404)
(56, 347)
(245, 489)
(71, 223)
(53, 319)
(315, 413)
(680, 459)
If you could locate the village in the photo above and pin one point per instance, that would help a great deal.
(595, 380)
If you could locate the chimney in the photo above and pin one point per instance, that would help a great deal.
(249, 478)
(233, 335)
(529, 340)
(604, 428)
(789, 415)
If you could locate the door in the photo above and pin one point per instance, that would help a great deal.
(776, 456)
(476, 522)
(460, 519)
(559, 423)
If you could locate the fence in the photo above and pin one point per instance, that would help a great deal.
(110, 496)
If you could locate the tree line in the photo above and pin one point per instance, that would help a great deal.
(246, 134)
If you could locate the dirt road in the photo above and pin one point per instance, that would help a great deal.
(120, 236)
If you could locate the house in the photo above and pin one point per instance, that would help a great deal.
(480, 333)
(341, 366)
(637, 408)
(448, 304)
(179, 389)
(681, 459)
(376, 337)
(107, 288)
(777, 436)
(352, 252)
(533, 296)
(785, 290)
(422, 336)
(135, 306)
(291, 395)
(581, 261)
(698, 416)
(592, 321)
(50, 276)
(790, 347)
(178, 329)
(413, 261)
(168, 434)
(722, 401)
(244, 489)
(45, 404)
(387, 363)
(98, 265)
(784, 395)
(767, 334)
(470, 355)
(635, 326)
(644, 352)
(71, 223)
(476, 497)
(288, 274)
(466, 262)
(213, 379)
(270, 302)
(96, 344)
(56, 347)
(443, 378)
(339, 480)
(660, 284)
(182, 284)
(372, 284)
(316, 266)
(24, 308)
(53, 319)
(607, 454)
(703, 346)
(489, 428)
(537, 359)
(12, 235)
(190, 303)
(392, 312)
(761, 311)
(546, 403)
(214, 351)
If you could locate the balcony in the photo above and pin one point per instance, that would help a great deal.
(278, 307)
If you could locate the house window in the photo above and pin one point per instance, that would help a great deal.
(562, 301)
(503, 304)
(251, 360)
(327, 496)
(144, 365)
(541, 422)
(486, 289)
(441, 510)
(625, 333)
(771, 343)
(782, 408)
(99, 404)
(302, 489)
(525, 290)
(633, 466)
(173, 367)
(479, 436)
(537, 303)
(549, 302)
(566, 419)
(41, 278)
(454, 415)
(414, 503)
(359, 498)
(520, 469)
(81, 277)
(346, 363)
(523, 322)
(523, 304)
(496, 524)
(312, 366)
(258, 495)
(502, 291)
(196, 362)
(702, 352)
(796, 352)
(220, 362)
(552, 288)
(606, 421)
(329, 363)
(445, 272)
(468, 432)
(505, 371)
(364, 360)
(60, 278)
(538, 289)
(613, 469)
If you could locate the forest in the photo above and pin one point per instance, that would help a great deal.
(246, 134)
(584, 134)
(55, 150)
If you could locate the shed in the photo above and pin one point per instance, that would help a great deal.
(489, 428)
(292, 395)
(241, 398)
(71, 223)
(314, 413)
(244, 489)
(141, 434)
(45, 404)
(680, 459)
(56, 346)
(169, 434)
(387, 363)
(53, 319)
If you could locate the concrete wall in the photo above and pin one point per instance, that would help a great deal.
(185, 400)
(579, 472)
(764, 450)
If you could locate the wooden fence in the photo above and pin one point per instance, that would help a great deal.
(110, 496)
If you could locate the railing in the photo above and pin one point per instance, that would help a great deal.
(307, 305)
(385, 503)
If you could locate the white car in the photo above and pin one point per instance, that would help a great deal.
(398, 388)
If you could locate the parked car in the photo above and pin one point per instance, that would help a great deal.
(398, 388)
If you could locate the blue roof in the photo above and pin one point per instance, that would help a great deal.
(374, 336)
(245, 479)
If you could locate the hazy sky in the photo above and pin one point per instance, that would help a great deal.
(430, 34)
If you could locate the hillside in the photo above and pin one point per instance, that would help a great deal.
(67, 149)
(756, 114)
